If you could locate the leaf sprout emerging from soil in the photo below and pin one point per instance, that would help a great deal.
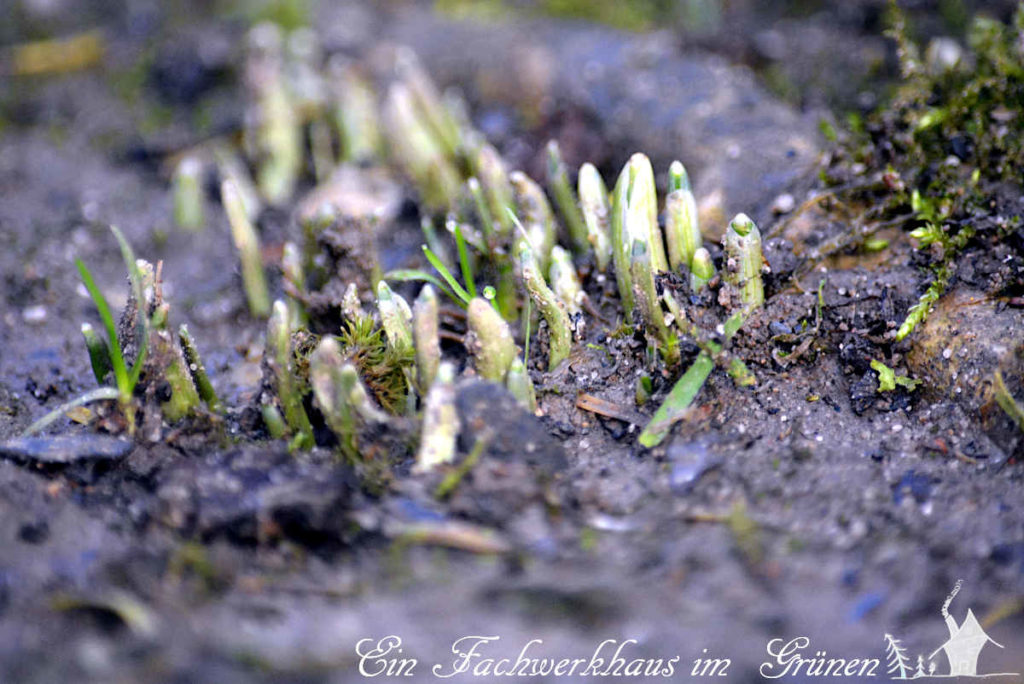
(149, 371)
(525, 278)
(887, 378)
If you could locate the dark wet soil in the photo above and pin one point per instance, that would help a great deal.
(807, 505)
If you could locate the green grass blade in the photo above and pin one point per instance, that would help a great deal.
(679, 399)
(99, 353)
(416, 275)
(446, 274)
(432, 238)
(116, 358)
(92, 395)
(467, 268)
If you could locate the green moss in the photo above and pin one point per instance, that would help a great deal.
(951, 138)
(636, 15)
(288, 14)
(380, 365)
(887, 378)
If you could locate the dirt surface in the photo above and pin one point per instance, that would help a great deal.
(808, 505)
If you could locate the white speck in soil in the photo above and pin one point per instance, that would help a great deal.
(783, 204)
(34, 314)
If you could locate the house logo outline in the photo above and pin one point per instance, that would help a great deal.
(966, 641)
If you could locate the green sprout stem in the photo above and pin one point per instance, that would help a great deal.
(620, 253)
(682, 231)
(491, 343)
(596, 212)
(124, 378)
(564, 280)
(198, 370)
(274, 422)
(558, 180)
(440, 422)
(188, 193)
(683, 393)
(333, 389)
(280, 347)
(491, 172)
(426, 338)
(520, 385)
(678, 401)
(184, 397)
(702, 269)
(551, 309)
(248, 244)
(650, 305)
(451, 480)
(744, 260)
(99, 353)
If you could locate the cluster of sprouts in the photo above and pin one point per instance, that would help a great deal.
(518, 268)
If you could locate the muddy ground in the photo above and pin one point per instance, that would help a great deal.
(809, 505)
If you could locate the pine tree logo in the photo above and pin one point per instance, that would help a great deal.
(896, 658)
(965, 643)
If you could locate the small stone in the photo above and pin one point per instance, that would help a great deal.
(943, 54)
(783, 204)
(34, 314)
(684, 474)
(63, 449)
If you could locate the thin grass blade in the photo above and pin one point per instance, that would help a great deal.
(96, 394)
(116, 358)
(446, 274)
(467, 268)
(416, 275)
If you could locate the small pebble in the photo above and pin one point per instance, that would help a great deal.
(34, 314)
(943, 54)
(783, 204)
(63, 449)
(947, 353)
